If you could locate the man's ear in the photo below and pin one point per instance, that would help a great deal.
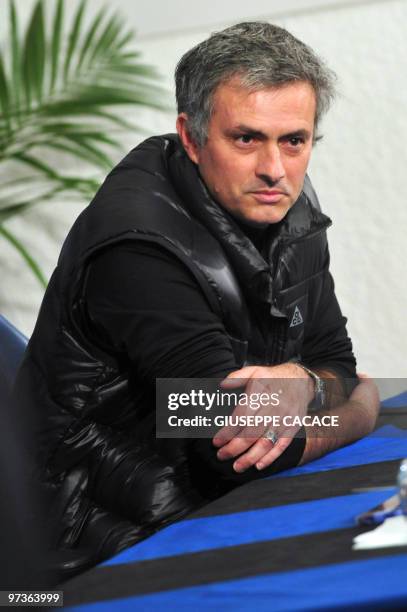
(183, 132)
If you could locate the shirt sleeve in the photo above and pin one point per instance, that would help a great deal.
(327, 344)
(144, 302)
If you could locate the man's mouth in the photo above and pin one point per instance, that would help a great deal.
(268, 196)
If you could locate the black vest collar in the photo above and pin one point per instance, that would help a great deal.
(255, 272)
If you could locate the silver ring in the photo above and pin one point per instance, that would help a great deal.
(270, 435)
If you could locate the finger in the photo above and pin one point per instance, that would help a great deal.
(234, 448)
(225, 435)
(250, 432)
(275, 452)
(247, 429)
(238, 378)
(254, 428)
(261, 448)
(229, 431)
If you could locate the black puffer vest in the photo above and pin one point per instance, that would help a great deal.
(112, 482)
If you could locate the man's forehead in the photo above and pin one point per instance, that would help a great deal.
(235, 87)
(242, 105)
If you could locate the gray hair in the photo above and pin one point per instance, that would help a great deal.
(261, 55)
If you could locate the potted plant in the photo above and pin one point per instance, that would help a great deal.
(63, 86)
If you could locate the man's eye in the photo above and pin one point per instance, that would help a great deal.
(295, 141)
(245, 139)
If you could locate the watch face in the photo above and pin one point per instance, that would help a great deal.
(319, 384)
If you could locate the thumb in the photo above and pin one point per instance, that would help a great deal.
(238, 378)
(363, 375)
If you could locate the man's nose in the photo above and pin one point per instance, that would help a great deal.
(270, 165)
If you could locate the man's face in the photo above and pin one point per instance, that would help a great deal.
(258, 148)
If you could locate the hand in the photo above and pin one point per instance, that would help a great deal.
(366, 394)
(295, 388)
(357, 417)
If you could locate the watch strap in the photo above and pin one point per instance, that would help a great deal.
(320, 387)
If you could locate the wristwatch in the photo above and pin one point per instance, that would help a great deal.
(319, 388)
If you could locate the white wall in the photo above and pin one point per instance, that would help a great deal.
(359, 169)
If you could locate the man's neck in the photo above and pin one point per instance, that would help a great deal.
(257, 234)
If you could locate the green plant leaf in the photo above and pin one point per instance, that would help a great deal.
(82, 150)
(88, 144)
(133, 55)
(65, 101)
(78, 129)
(32, 264)
(45, 170)
(89, 38)
(33, 59)
(37, 164)
(75, 112)
(138, 71)
(122, 42)
(108, 95)
(74, 183)
(56, 43)
(110, 31)
(73, 38)
(15, 54)
(4, 96)
(95, 155)
(53, 190)
(14, 209)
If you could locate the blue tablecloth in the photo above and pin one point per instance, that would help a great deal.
(373, 583)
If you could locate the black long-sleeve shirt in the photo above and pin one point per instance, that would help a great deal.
(146, 303)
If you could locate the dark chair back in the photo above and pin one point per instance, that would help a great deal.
(23, 560)
(12, 347)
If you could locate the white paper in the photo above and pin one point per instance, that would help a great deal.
(393, 532)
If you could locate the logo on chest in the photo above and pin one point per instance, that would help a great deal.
(296, 318)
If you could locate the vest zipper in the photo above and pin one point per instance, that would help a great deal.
(307, 236)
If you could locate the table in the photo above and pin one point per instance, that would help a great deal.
(280, 543)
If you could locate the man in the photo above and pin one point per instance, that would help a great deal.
(202, 255)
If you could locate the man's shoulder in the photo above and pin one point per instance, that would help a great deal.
(310, 193)
(136, 196)
(150, 155)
